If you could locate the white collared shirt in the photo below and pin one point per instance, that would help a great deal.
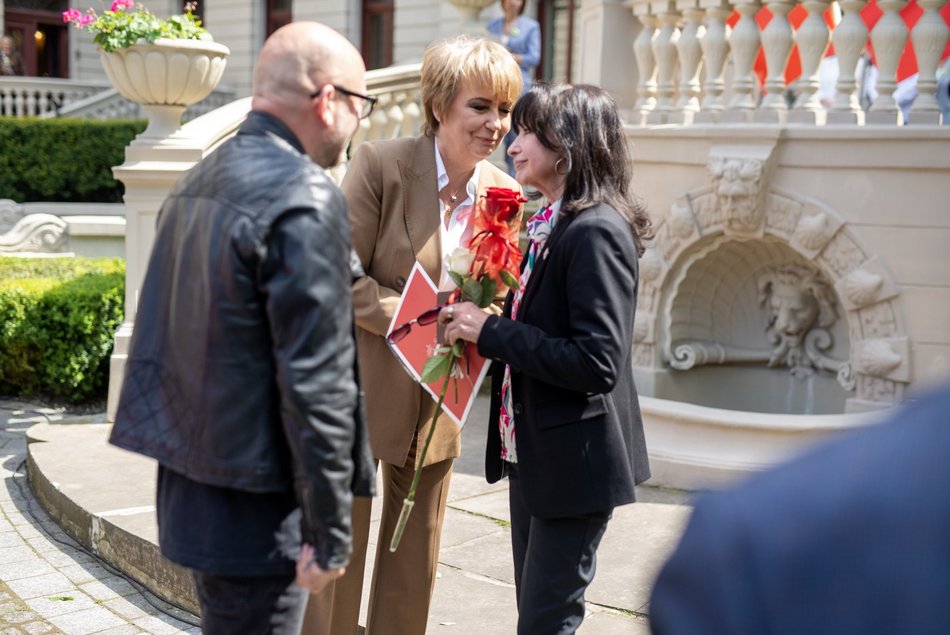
(451, 236)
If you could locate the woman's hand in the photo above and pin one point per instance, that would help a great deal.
(462, 321)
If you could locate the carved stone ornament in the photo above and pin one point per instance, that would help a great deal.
(681, 218)
(736, 245)
(737, 183)
(10, 213)
(884, 357)
(651, 265)
(42, 233)
(798, 301)
(864, 286)
(813, 231)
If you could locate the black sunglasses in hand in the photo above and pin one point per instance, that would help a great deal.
(425, 318)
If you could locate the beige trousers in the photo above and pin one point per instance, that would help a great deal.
(402, 585)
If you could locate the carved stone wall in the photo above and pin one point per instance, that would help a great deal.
(695, 276)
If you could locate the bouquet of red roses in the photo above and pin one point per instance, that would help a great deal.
(490, 259)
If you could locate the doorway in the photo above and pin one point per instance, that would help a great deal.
(41, 39)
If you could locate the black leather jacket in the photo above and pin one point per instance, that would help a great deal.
(242, 370)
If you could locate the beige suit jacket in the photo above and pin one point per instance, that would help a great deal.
(391, 193)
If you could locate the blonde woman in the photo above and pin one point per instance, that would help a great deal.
(408, 201)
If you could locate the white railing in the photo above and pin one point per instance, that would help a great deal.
(399, 110)
(37, 96)
(46, 97)
(685, 41)
(109, 104)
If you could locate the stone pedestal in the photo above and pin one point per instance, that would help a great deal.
(165, 77)
(612, 65)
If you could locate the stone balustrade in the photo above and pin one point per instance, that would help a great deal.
(38, 96)
(399, 110)
(694, 67)
(51, 97)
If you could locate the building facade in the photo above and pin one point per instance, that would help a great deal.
(388, 32)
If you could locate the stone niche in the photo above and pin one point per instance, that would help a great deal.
(757, 298)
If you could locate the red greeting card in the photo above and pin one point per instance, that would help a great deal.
(420, 295)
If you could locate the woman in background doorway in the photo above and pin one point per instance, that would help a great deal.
(10, 62)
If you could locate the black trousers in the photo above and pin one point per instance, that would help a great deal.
(250, 605)
(555, 560)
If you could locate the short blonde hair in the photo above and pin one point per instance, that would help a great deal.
(449, 63)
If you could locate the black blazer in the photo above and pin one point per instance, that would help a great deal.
(578, 429)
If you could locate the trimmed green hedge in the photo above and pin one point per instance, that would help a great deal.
(63, 160)
(57, 320)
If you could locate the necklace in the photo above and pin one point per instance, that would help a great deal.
(450, 204)
(452, 197)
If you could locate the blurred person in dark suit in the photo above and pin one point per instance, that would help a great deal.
(851, 538)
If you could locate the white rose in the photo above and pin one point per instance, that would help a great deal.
(460, 260)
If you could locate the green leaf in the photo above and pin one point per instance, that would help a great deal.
(510, 281)
(488, 291)
(436, 367)
(458, 349)
(457, 279)
(472, 292)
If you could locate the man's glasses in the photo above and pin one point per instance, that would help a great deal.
(400, 332)
(368, 103)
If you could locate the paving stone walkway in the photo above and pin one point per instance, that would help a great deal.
(48, 584)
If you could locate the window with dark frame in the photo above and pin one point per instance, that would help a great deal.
(278, 14)
(377, 33)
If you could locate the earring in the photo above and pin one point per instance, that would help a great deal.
(558, 162)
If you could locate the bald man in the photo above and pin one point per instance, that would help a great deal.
(242, 377)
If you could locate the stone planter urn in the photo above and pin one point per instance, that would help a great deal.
(165, 77)
(470, 10)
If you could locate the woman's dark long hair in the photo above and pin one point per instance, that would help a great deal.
(582, 121)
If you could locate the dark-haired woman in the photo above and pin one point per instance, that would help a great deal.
(565, 421)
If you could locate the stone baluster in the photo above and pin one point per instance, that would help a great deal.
(812, 37)
(715, 45)
(777, 41)
(929, 38)
(850, 38)
(664, 50)
(888, 37)
(394, 116)
(412, 113)
(744, 44)
(646, 62)
(43, 103)
(690, 60)
(361, 134)
(8, 103)
(30, 103)
(379, 120)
